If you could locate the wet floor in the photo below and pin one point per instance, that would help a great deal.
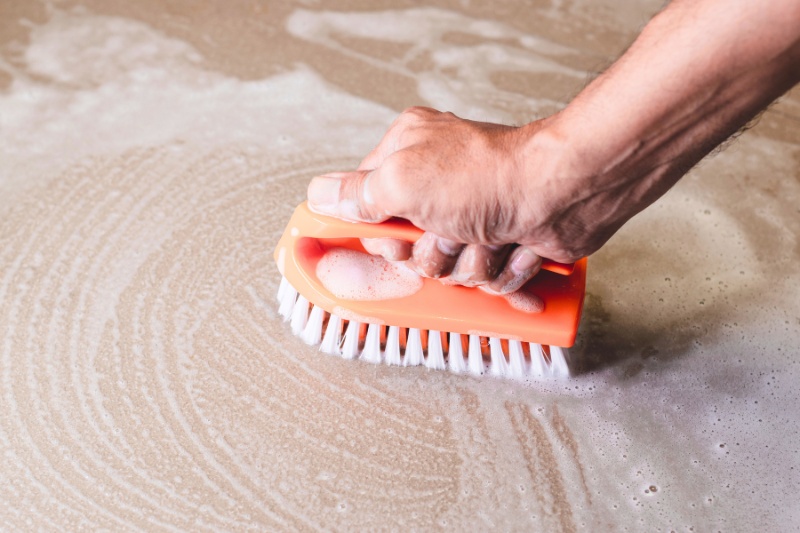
(150, 155)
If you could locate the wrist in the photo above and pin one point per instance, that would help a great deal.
(551, 175)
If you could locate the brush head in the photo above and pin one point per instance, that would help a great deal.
(378, 313)
(393, 345)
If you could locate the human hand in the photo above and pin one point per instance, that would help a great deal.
(561, 187)
(461, 181)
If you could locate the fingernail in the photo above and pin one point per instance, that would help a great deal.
(513, 284)
(389, 252)
(464, 278)
(323, 193)
(395, 251)
(488, 289)
(448, 247)
(524, 262)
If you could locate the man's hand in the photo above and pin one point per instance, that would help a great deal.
(496, 199)
(460, 180)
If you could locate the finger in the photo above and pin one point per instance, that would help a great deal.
(479, 264)
(389, 249)
(347, 195)
(400, 134)
(522, 300)
(390, 143)
(387, 146)
(522, 265)
(374, 158)
(434, 256)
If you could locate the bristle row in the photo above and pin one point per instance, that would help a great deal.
(394, 345)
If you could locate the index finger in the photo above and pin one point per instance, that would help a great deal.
(384, 149)
(391, 141)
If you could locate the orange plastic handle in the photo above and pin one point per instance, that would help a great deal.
(325, 227)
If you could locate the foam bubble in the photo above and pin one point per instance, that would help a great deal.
(524, 301)
(352, 275)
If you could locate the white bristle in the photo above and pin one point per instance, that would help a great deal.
(312, 333)
(538, 362)
(309, 327)
(288, 299)
(350, 344)
(455, 355)
(299, 315)
(499, 365)
(372, 344)
(414, 355)
(559, 358)
(474, 355)
(392, 352)
(333, 336)
(435, 354)
(516, 359)
(283, 287)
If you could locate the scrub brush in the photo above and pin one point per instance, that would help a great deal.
(422, 321)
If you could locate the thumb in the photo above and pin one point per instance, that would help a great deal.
(347, 195)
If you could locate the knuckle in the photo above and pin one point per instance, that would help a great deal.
(430, 269)
(415, 115)
(394, 186)
(418, 111)
(475, 266)
(427, 258)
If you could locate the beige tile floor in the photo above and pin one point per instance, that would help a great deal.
(150, 153)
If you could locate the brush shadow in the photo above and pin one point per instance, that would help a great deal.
(725, 236)
(611, 335)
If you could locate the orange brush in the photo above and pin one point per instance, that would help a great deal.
(381, 312)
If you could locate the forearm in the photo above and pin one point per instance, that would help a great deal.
(699, 71)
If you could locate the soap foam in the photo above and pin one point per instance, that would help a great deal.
(131, 294)
(111, 80)
(524, 301)
(425, 30)
(353, 275)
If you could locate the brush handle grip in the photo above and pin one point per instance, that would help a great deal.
(325, 227)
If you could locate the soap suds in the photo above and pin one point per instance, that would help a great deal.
(148, 382)
(471, 93)
(353, 275)
(123, 84)
(524, 301)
